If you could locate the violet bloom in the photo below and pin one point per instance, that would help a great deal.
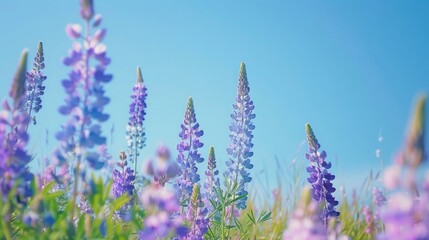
(85, 100)
(188, 153)
(320, 178)
(135, 131)
(161, 205)
(369, 219)
(239, 150)
(163, 170)
(14, 159)
(34, 87)
(196, 216)
(378, 197)
(305, 224)
(123, 183)
(212, 181)
(405, 217)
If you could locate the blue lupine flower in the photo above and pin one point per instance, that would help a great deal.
(85, 100)
(239, 150)
(212, 181)
(123, 183)
(162, 219)
(135, 131)
(14, 159)
(188, 153)
(320, 178)
(196, 216)
(34, 86)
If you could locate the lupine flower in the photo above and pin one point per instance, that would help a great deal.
(196, 216)
(123, 183)
(239, 150)
(405, 217)
(369, 219)
(14, 158)
(34, 86)
(188, 153)
(212, 181)
(17, 89)
(320, 179)
(161, 205)
(378, 197)
(85, 100)
(135, 131)
(162, 170)
(305, 224)
(84, 206)
(406, 214)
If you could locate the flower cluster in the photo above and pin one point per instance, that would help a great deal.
(161, 204)
(14, 158)
(123, 182)
(320, 179)
(135, 131)
(305, 222)
(188, 153)
(212, 181)
(34, 84)
(406, 213)
(239, 150)
(196, 216)
(163, 170)
(85, 100)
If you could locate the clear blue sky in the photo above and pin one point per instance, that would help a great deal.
(350, 68)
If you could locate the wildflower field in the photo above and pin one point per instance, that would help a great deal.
(81, 189)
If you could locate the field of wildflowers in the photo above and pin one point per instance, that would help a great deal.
(71, 199)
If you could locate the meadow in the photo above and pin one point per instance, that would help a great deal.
(84, 191)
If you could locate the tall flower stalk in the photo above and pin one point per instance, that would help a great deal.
(135, 131)
(188, 153)
(34, 84)
(239, 150)
(320, 179)
(212, 181)
(85, 100)
(123, 183)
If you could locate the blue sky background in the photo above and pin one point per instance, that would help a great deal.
(350, 68)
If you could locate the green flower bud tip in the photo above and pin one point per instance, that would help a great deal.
(17, 89)
(139, 75)
(190, 103)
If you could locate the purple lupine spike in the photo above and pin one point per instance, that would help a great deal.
(212, 181)
(320, 178)
(188, 153)
(14, 159)
(369, 219)
(239, 150)
(135, 134)
(34, 86)
(85, 100)
(378, 197)
(196, 216)
(161, 206)
(123, 183)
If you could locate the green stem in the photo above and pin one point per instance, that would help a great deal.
(6, 230)
(223, 222)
